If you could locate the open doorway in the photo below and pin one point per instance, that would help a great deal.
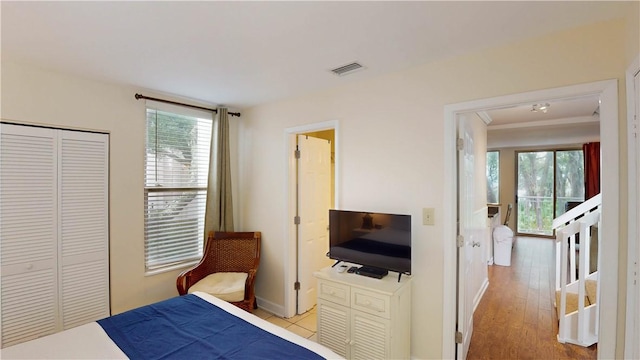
(314, 184)
(607, 93)
(311, 167)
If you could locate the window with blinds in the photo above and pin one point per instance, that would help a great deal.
(176, 169)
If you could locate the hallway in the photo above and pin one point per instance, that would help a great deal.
(516, 318)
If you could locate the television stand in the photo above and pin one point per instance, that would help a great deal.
(372, 272)
(375, 312)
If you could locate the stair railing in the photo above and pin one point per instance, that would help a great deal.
(579, 327)
(567, 219)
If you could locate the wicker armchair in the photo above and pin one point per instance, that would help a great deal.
(227, 252)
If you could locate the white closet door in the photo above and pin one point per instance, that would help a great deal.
(84, 227)
(28, 233)
(54, 230)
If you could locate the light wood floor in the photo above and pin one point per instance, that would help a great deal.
(516, 318)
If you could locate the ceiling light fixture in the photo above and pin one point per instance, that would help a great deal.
(540, 107)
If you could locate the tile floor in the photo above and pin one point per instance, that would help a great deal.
(304, 325)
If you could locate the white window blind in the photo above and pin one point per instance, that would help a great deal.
(176, 169)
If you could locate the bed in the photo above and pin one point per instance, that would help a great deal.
(187, 327)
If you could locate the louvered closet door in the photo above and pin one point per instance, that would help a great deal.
(53, 230)
(28, 233)
(84, 227)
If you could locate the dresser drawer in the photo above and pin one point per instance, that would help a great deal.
(370, 302)
(334, 292)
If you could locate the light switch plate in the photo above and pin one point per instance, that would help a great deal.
(428, 216)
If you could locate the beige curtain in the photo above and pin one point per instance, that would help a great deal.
(219, 212)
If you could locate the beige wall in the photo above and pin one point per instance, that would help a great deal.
(391, 146)
(31, 95)
(391, 151)
(633, 29)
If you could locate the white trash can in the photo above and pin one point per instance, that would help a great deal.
(502, 243)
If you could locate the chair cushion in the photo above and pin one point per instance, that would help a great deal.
(228, 286)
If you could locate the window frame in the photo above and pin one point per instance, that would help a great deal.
(200, 190)
(554, 150)
(498, 175)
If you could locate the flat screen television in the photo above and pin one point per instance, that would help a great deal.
(374, 240)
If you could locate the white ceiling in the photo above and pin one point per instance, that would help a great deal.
(566, 122)
(245, 53)
(576, 110)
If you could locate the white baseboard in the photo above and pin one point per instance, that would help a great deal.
(480, 294)
(275, 309)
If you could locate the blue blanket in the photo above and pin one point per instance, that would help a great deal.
(188, 327)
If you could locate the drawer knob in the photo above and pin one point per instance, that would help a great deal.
(352, 342)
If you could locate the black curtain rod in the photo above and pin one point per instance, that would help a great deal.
(140, 96)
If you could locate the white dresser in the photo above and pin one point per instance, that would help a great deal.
(364, 318)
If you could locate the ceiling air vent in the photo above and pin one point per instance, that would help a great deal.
(347, 69)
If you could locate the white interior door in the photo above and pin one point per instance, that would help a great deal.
(54, 275)
(632, 335)
(636, 315)
(28, 233)
(314, 201)
(466, 186)
(84, 227)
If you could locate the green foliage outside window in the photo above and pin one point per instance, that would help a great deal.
(493, 177)
(539, 202)
(176, 170)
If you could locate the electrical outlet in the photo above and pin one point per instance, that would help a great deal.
(428, 216)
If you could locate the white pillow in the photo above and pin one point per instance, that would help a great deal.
(228, 286)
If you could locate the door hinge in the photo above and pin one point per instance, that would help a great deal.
(458, 337)
(297, 153)
(296, 285)
(296, 220)
(460, 240)
(460, 144)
